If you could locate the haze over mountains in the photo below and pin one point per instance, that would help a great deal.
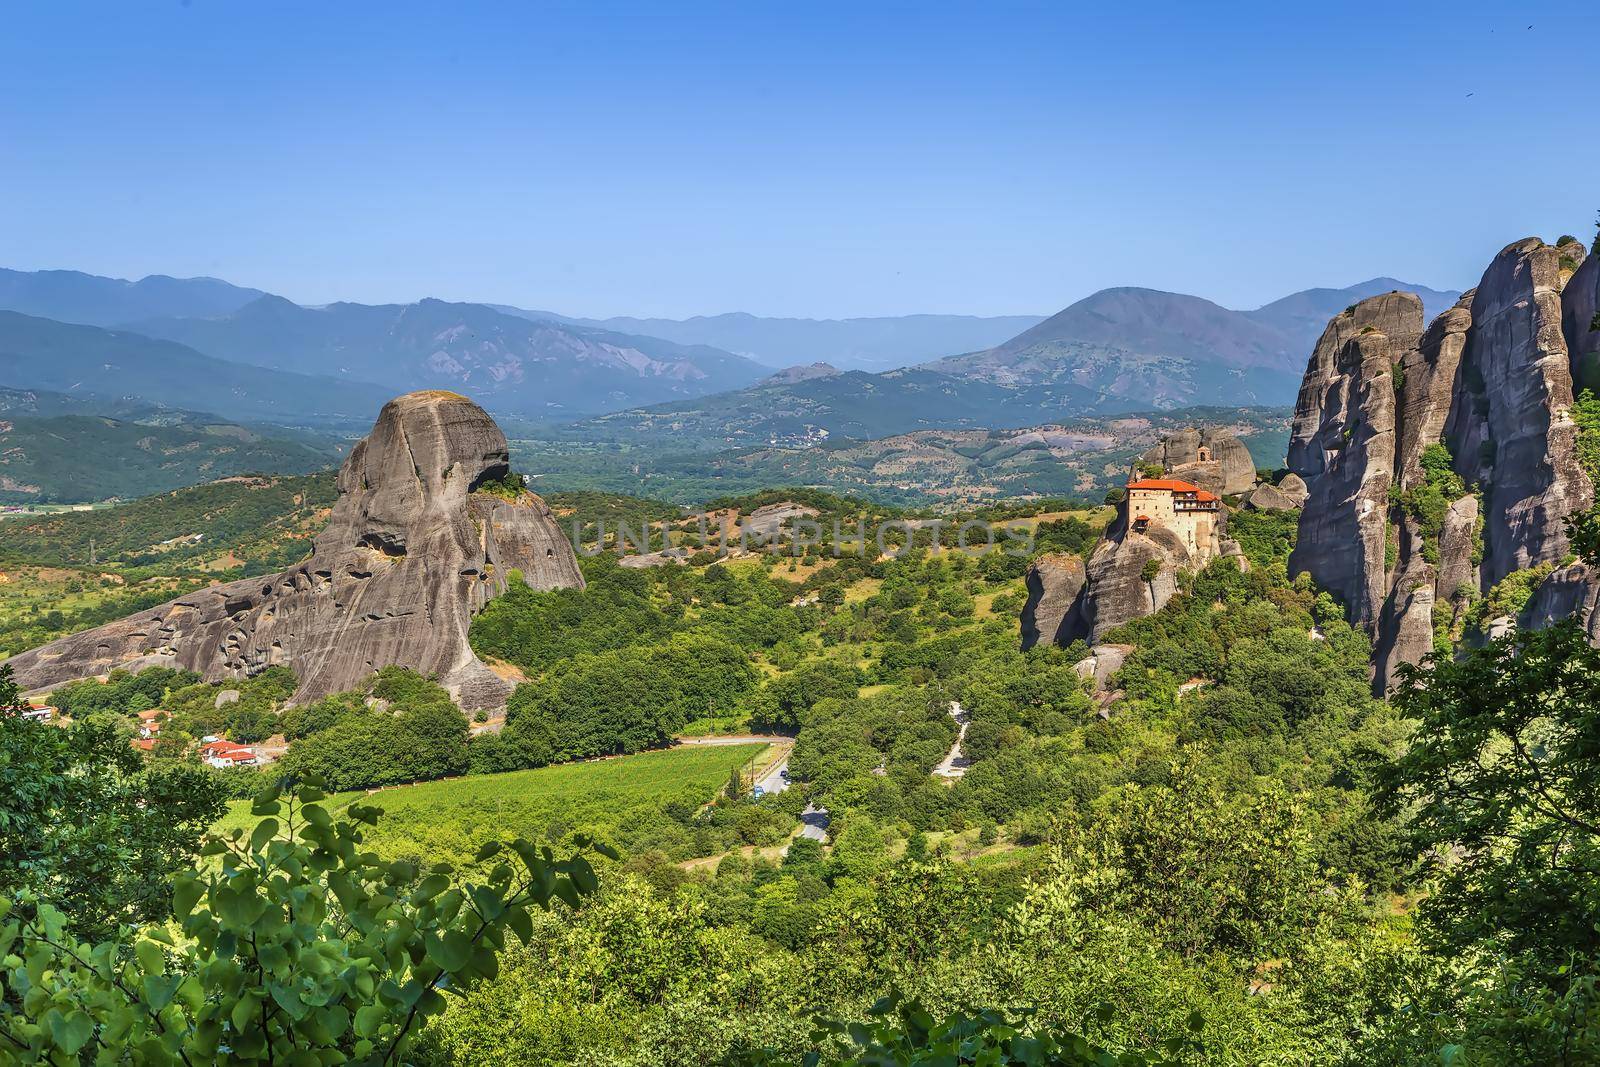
(870, 344)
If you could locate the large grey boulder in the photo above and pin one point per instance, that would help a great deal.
(1294, 488)
(1212, 459)
(767, 522)
(1573, 590)
(1101, 663)
(1269, 498)
(411, 550)
(1054, 582)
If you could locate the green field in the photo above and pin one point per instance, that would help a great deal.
(636, 802)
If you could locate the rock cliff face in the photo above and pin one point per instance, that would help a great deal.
(1215, 460)
(411, 551)
(1510, 428)
(1117, 590)
(1580, 303)
(1491, 379)
(1343, 445)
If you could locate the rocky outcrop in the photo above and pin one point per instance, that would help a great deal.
(665, 557)
(767, 522)
(1510, 427)
(1054, 581)
(1573, 590)
(1214, 460)
(1343, 445)
(1491, 379)
(1294, 487)
(1269, 498)
(411, 550)
(1101, 663)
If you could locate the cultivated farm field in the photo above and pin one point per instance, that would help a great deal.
(639, 803)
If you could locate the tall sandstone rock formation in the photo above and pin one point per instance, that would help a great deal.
(411, 551)
(1342, 444)
(1491, 379)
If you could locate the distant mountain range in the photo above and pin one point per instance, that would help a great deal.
(245, 354)
(71, 296)
(527, 366)
(1117, 351)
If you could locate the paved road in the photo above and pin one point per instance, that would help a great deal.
(774, 781)
(954, 764)
(814, 823)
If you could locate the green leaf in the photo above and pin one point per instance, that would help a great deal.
(151, 959)
(429, 888)
(265, 831)
(521, 924)
(243, 1014)
(158, 990)
(449, 952)
(72, 1031)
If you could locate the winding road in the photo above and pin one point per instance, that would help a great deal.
(954, 764)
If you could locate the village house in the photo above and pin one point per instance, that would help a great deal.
(225, 754)
(150, 722)
(1178, 506)
(39, 712)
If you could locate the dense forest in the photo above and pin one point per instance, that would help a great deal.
(1230, 854)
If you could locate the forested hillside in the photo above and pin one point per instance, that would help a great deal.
(1226, 853)
(75, 458)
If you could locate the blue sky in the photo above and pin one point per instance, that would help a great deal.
(798, 159)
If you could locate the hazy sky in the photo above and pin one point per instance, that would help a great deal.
(792, 158)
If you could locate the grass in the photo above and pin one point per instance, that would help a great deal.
(637, 802)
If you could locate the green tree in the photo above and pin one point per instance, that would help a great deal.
(297, 946)
(1502, 780)
(86, 825)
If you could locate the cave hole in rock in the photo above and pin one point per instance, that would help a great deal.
(387, 544)
(492, 473)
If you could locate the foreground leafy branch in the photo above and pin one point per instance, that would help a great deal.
(291, 945)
